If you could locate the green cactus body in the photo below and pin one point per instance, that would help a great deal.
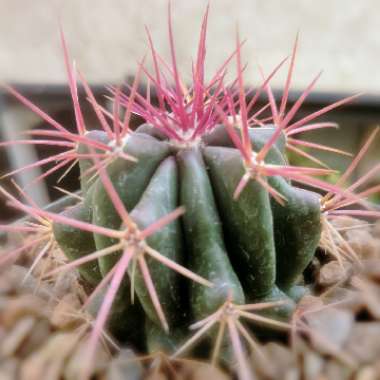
(76, 243)
(86, 163)
(250, 248)
(204, 238)
(160, 198)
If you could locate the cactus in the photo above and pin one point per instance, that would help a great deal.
(195, 215)
(249, 246)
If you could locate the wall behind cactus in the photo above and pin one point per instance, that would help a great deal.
(107, 37)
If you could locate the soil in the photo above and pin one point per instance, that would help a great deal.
(336, 334)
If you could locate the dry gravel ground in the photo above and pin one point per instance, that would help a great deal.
(43, 332)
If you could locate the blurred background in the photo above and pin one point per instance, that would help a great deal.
(107, 38)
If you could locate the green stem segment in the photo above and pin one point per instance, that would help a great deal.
(158, 200)
(207, 254)
(248, 221)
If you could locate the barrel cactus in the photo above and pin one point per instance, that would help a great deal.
(195, 216)
(243, 233)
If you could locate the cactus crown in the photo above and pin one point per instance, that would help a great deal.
(201, 191)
